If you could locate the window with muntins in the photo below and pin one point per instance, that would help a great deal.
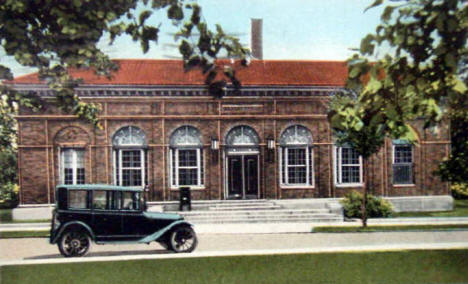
(130, 157)
(72, 166)
(402, 162)
(296, 157)
(348, 165)
(186, 158)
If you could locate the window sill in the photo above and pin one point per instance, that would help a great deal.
(297, 186)
(349, 185)
(404, 185)
(191, 188)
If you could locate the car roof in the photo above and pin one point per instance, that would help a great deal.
(99, 187)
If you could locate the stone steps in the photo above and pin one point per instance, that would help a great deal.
(257, 211)
(251, 212)
(245, 207)
(298, 219)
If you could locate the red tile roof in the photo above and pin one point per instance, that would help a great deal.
(171, 72)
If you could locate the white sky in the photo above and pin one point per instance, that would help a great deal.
(292, 29)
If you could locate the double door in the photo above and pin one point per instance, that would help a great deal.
(242, 176)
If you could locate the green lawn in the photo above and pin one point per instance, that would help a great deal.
(24, 234)
(385, 228)
(460, 210)
(438, 266)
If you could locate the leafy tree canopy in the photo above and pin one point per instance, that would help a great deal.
(416, 79)
(55, 35)
(426, 40)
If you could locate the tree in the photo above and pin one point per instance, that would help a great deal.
(55, 36)
(455, 169)
(425, 40)
(58, 35)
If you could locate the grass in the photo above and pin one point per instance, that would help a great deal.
(416, 266)
(5, 216)
(357, 229)
(24, 234)
(460, 210)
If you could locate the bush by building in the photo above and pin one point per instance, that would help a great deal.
(460, 190)
(9, 195)
(376, 206)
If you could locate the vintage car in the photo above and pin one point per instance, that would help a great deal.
(113, 214)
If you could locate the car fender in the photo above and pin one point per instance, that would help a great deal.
(65, 226)
(156, 235)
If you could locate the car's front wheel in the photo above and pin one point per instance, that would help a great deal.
(183, 239)
(74, 243)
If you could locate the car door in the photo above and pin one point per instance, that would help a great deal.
(135, 224)
(107, 221)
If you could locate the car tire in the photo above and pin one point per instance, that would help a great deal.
(183, 239)
(74, 243)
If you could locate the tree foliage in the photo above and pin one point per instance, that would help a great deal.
(455, 168)
(56, 35)
(416, 78)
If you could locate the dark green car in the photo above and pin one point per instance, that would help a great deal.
(113, 214)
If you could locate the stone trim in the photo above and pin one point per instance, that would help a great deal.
(108, 91)
(177, 117)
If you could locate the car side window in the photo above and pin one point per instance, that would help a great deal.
(131, 201)
(99, 199)
(78, 199)
(116, 200)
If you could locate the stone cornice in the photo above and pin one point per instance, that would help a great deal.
(106, 91)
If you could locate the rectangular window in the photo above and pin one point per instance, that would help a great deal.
(100, 199)
(130, 167)
(72, 166)
(78, 199)
(187, 167)
(116, 200)
(296, 166)
(402, 164)
(348, 166)
(131, 201)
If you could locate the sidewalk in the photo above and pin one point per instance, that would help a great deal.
(361, 248)
(265, 228)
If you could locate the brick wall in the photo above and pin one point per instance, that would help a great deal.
(41, 136)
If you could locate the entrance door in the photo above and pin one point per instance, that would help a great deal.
(242, 175)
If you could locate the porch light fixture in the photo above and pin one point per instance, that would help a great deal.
(214, 144)
(271, 149)
(270, 143)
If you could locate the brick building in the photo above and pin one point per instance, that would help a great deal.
(162, 128)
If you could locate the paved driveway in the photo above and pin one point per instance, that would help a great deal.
(39, 248)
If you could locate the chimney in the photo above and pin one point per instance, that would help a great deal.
(256, 38)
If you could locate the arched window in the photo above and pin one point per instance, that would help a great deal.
(402, 162)
(242, 139)
(130, 162)
(296, 157)
(348, 166)
(186, 157)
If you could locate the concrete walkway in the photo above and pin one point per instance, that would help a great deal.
(37, 250)
(265, 228)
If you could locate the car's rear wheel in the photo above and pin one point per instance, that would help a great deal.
(74, 243)
(183, 239)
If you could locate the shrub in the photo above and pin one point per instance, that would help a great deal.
(376, 206)
(9, 195)
(460, 190)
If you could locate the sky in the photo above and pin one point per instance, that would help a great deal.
(292, 29)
